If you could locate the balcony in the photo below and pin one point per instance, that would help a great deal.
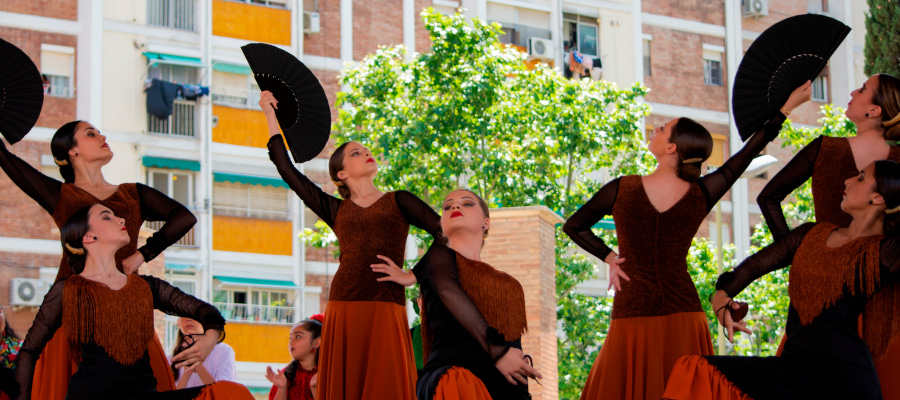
(175, 14)
(182, 122)
(256, 313)
(188, 240)
(236, 97)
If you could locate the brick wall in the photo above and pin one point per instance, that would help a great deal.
(65, 9)
(326, 43)
(376, 23)
(21, 216)
(423, 41)
(676, 61)
(21, 265)
(710, 12)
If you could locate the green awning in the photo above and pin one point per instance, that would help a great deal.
(248, 179)
(264, 283)
(605, 224)
(232, 69)
(180, 267)
(171, 163)
(172, 59)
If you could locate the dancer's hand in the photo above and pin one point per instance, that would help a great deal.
(615, 271)
(313, 384)
(268, 104)
(723, 307)
(277, 378)
(799, 96)
(131, 264)
(199, 351)
(394, 273)
(514, 367)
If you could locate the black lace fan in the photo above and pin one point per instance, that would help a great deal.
(303, 112)
(784, 56)
(21, 92)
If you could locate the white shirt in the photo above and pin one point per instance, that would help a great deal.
(220, 365)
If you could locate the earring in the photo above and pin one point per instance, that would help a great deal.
(867, 115)
(95, 238)
(870, 202)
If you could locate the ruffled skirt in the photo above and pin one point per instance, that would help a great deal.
(460, 384)
(693, 378)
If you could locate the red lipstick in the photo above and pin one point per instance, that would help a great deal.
(456, 214)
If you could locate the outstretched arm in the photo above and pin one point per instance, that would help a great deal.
(795, 173)
(418, 213)
(41, 188)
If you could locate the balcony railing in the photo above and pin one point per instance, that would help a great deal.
(236, 97)
(256, 313)
(188, 240)
(176, 14)
(182, 122)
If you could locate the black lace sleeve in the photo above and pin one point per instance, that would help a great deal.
(156, 206)
(438, 268)
(795, 173)
(717, 183)
(171, 300)
(772, 257)
(324, 205)
(418, 213)
(578, 226)
(45, 325)
(41, 188)
(890, 254)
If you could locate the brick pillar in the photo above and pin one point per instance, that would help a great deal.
(522, 243)
(157, 268)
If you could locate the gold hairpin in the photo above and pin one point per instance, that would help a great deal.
(892, 121)
(338, 183)
(892, 210)
(60, 162)
(692, 160)
(74, 250)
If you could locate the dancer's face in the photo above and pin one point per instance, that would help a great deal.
(358, 162)
(660, 144)
(90, 144)
(189, 326)
(462, 212)
(859, 191)
(861, 101)
(302, 343)
(106, 227)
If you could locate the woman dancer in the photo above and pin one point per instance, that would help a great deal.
(474, 315)
(836, 274)
(81, 151)
(875, 110)
(294, 382)
(366, 351)
(219, 366)
(657, 316)
(108, 316)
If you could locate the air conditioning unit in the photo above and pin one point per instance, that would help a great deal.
(310, 22)
(755, 8)
(27, 292)
(540, 48)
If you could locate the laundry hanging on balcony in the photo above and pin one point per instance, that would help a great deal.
(161, 96)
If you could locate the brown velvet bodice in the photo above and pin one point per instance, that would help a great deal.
(655, 246)
(124, 202)
(835, 164)
(363, 234)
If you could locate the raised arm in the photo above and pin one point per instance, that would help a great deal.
(321, 203)
(171, 300)
(438, 270)
(717, 183)
(795, 173)
(418, 213)
(46, 323)
(578, 226)
(41, 188)
(155, 206)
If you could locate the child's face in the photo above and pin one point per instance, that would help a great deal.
(302, 343)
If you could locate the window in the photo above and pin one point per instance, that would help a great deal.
(820, 89)
(174, 73)
(57, 64)
(251, 201)
(712, 68)
(519, 24)
(645, 50)
(176, 14)
(235, 90)
(581, 33)
(255, 305)
(270, 3)
(183, 121)
(178, 185)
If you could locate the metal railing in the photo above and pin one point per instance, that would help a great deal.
(236, 97)
(256, 313)
(176, 14)
(188, 240)
(182, 122)
(250, 213)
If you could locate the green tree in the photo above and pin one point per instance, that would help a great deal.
(882, 49)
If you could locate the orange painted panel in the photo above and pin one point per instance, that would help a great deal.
(249, 235)
(531, 63)
(252, 22)
(240, 126)
(259, 342)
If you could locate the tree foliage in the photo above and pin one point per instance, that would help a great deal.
(882, 48)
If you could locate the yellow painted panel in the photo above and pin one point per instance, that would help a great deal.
(240, 126)
(249, 235)
(717, 157)
(259, 343)
(252, 22)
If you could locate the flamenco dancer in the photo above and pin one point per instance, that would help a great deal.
(81, 151)
(366, 350)
(836, 275)
(656, 315)
(875, 110)
(108, 316)
(474, 315)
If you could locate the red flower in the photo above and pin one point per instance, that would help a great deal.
(318, 317)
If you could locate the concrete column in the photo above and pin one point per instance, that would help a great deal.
(522, 243)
